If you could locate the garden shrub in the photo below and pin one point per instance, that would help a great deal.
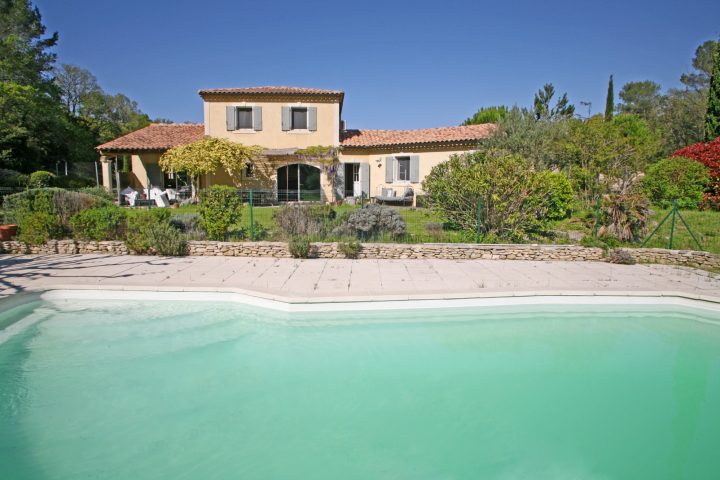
(299, 246)
(11, 178)
(678, 178)
(371, 222)
(150, 232)
(624, 216)
(106, 223)
(73, 182)
(552, 195)
(351, 248)
(220, 208)
(99, 192)
(41, 179)
(55, 201)
(260, 232)
(39, 227)
(190, 224)
(516, 201)
(310, 220)
(606, 242)
(709, 155)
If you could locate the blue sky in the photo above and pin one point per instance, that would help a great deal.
(402, 64)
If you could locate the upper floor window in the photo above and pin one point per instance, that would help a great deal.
(299, 118)
(403, 169)
(244, 118)
(249, 170)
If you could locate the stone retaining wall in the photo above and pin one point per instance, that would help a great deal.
(690, 258)
(65, 247)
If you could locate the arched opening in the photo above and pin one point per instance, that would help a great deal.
(298, 182)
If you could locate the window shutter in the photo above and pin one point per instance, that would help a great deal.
(414, 168)
(286, 118)
(230, 118)
(389, 164)
(365, 179)
(257, 118)
(312, 118)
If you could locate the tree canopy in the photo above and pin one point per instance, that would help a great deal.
(487, 115)
(209, 155)
(48, 114)
(541, 104)
(712, 116)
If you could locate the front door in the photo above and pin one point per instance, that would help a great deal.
(357, 186)
(353, 186)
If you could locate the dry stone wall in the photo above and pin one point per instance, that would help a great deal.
(690, 258)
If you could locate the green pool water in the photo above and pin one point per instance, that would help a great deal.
(172, 390)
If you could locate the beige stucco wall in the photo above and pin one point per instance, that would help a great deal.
(428, 158)
(272, 134)
(139, 163)
(265, 175)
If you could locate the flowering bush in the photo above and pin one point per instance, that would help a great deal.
(709, 155)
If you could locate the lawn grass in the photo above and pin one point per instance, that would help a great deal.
(426, 226)
(704, 224)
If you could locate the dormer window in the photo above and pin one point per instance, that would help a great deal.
(299, 118)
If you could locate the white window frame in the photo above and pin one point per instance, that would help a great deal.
(396, 169)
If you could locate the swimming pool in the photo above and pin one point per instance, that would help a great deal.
(132, 388)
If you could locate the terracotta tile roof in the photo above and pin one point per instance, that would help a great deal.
(156, 136)
(384, 138)
(270, 90)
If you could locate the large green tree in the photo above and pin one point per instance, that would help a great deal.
(712, 117)
(603, 157)
(521, 133)
(487, 115)
(25, 55)
(610, 100)
(209, 155)
(702, 64)
(541, 104)
(74, 84)
(642, 99)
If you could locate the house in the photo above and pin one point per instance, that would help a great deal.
(284, 120)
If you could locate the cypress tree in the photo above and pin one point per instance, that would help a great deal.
(712, 117)
(610, 101)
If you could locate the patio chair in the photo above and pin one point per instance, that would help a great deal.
(162, 200)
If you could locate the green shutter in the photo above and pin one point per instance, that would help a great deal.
(312, 118)
(286, 118)
(389, 165)
(257, 118)
(414, 168)
(230, 118)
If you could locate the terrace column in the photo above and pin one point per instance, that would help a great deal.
(106, 173)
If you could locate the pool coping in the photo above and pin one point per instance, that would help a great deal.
(292, 304)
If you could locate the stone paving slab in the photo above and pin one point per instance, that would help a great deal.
(342, 278)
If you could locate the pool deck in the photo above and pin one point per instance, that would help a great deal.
(322, 280)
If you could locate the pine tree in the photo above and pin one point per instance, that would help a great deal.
(610, 101)
(712, 117)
